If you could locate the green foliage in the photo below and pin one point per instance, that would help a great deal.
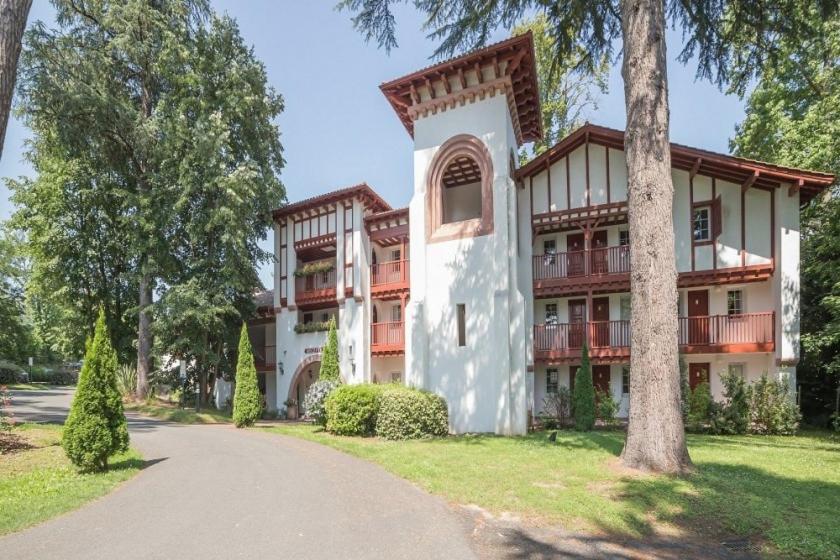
(772, 408)
(352, 409)
(16, 336)
(96, 428)
(10, 372)
(732, 416)
(584, 394)
(247, 403)
(315, 400)
(315, 326)
(6, 418)
(314, 268)
(329, 358)
(685, 389)
(126, 379)
(606, 407)
(557, 408)
(793, 119)
(699, 408)
(407, 413)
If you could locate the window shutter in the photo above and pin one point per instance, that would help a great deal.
(717, 217)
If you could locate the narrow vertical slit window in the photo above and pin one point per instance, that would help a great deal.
(462, 324)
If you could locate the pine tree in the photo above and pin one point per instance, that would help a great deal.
(584, 397)
(329, 360)
(246, 399)
(96, 428)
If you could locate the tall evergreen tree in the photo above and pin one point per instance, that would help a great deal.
(96, 428)
(329, 359)
(247, 405)
(723, 34)
(584, 395)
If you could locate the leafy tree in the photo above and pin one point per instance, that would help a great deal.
(733, 41)
(564, 94)
(793, 118)
(13, 15)
(16, 339)
(329, 360)
(157, 160)
(96, 428)
(247, 405)
(584, 394)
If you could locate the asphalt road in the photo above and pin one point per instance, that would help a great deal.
(212, 492)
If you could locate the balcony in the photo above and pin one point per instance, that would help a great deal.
(601, 269)
(609, 341)
(315, 288)
(266, 359)
(389, 278)
(387, 339)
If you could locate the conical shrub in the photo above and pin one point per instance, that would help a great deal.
(247, 405)
(96, 428)
(584, 397)
(329, 360)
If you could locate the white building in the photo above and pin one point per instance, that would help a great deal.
(513, 268)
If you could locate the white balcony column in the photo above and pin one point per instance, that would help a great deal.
(339, 253)
(291, 263)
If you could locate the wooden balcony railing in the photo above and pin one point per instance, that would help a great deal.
(315, 287)
(391, 272)
(387, 337)
(746, 332)
(265, 359)
(749, 332)
(574, 264)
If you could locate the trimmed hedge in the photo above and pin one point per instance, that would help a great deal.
(406, 413)
(10, 373)
(352, 409)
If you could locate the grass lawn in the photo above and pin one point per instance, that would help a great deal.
(32, 386)
(783, 492)
(173, 413)
(39, 482)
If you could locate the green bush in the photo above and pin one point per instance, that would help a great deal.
(556, 408)
(699, 408)
(247, 404)
(606, 407)
(10, 373)
(584, 394)
(329, 359)
(127, 379)
(732, 416)
(96, 428)
(685, 389)
(352, 409)
(406, 413)
(772, 409)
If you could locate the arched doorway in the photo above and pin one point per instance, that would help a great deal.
(305, 375)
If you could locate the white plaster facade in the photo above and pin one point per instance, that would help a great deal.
(463, 319)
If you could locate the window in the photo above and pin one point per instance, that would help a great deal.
(702, 225)
(736, 369)
(625, 380)
(734, 302)
(325, 317)
(307, 318)
(624, 237)
(549, 251)
(396, 313)
(624, 303)
(462, 324)
(551, 314)
(395, 254)
(551, 380)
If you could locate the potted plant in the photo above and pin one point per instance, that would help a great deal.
(291, 409)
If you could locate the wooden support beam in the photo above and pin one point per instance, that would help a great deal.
(796, 187)
(496, 70)
(446, 86)
(749, 182)
(478, 75)
(461, 79)
(430, 88)
(695, 168)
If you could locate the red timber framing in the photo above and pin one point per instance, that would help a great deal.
(389, 279)
(507, 68)
(310, 226)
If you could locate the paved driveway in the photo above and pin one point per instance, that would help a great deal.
(216, 492)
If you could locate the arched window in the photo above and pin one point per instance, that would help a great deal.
(459, 190)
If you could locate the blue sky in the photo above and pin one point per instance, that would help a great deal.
(338, 129)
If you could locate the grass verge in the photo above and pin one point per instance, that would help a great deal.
(38, 482)
(782, 492)
(174, 413)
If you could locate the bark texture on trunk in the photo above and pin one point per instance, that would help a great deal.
(144, 337)
(655, 434)
(13, 14)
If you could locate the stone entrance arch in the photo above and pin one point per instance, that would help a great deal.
(305, 375)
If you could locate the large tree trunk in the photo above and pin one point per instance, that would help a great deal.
(655, 434)
(13, 14)
(144, 337)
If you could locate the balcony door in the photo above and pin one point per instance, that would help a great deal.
(601, 322)
(697, 374)
(575, 257)
(577, 322)
(698, 317)
(599, 258)
(601, 378)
